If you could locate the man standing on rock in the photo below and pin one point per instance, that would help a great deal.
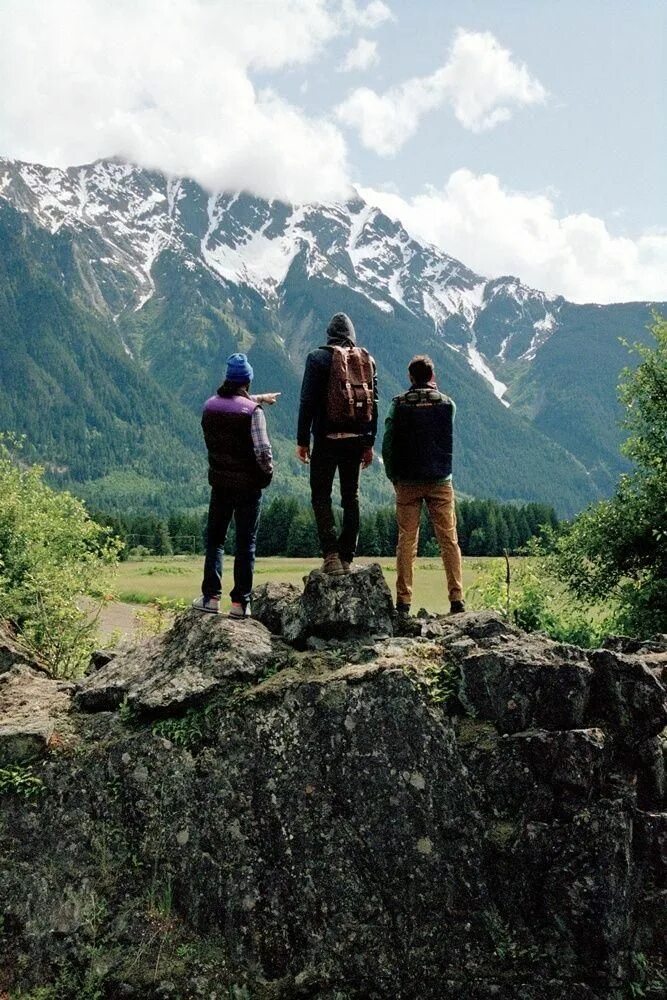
(339, 408)
(240, 466)
(417, 455)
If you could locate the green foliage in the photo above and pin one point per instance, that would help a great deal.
(156, 617)
(51, 555)
(20, 780)
(617, 550)
(187, 730)
(648, 979)
(535, 602)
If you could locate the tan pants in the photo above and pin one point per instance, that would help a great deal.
(440, 505)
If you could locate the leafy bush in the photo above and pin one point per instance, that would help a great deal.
(52, 557)
(617, 549)
(535, 602)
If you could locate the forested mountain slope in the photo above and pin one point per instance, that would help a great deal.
(123, 291)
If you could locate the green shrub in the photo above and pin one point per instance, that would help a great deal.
(616, 550)
(52, 558)
(535, 602)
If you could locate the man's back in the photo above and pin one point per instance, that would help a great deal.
(419, 445)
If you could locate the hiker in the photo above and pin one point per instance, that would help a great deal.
(240, 466)
(339, 408)
(417, 456)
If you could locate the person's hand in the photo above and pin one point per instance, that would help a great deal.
(366, 457)
(270, 397)
(303, 453)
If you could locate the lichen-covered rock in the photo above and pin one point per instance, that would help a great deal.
(279, 607)
(628, 695)
(33, 707)
(364, 821)
(345, 607)
(525, 681)
(196, 657)
(540, 774)
(330, 607)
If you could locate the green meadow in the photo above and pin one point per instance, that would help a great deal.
(178, 578)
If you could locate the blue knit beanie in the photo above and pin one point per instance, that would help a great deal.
(239, 369)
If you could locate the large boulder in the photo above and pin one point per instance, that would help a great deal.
(517, 680)
(330, 607)
(34, 708)
(368, 819)
(198, 656)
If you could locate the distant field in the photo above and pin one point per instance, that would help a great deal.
(174, 578)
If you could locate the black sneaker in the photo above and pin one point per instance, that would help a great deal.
(403, 610)
(457, 607)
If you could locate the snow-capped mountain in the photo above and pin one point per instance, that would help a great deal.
(122, 291)
(129, 216)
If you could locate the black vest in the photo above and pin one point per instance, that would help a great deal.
(422, 436)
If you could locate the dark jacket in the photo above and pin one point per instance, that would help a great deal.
(418, 438)
(232, 462)
(314, 388)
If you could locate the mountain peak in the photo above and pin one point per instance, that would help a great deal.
(129, 216)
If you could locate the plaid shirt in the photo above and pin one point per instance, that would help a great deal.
(260, 441)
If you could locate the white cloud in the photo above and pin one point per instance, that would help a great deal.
(480, 81)
(361, 57)
(496, 232)
(167, 84)
(370, 16)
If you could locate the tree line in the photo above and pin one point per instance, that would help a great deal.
(287, 528)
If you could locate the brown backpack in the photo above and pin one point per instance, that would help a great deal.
(350, 393)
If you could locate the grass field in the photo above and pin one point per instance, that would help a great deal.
(176, 578)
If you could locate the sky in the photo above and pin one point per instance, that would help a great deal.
(524, 137)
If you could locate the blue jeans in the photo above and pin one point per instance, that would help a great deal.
(244, 507)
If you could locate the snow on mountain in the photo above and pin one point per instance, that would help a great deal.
(130, 216)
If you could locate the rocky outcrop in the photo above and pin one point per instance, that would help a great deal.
(460, 813)
(334, 608)
(34, 707)
(34, 710)
(196, 658)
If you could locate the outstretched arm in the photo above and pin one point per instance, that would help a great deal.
(268, 398)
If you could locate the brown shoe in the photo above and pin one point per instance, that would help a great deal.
(332, 565)
(347, 566)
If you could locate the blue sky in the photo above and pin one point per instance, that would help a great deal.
(600, 138)
(522, 137)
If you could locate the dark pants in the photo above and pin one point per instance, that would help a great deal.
(244, 507)
(328, 456)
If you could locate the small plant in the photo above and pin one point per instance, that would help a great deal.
(186, 731)
(155, 619)
(127, 712)
(442, 679)
(647, 980)
(20, 780)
